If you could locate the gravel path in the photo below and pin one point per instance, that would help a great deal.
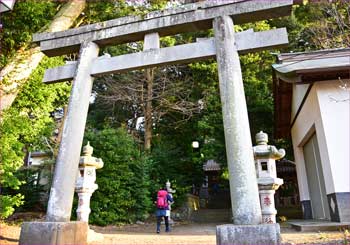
(200, 234)
(145, 234)
(184, 233)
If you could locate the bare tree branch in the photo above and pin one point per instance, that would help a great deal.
(169, 93)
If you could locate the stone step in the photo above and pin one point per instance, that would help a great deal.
(318, 225)
(219, 201)
(212, 216)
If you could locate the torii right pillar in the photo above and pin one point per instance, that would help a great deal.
(247, 227)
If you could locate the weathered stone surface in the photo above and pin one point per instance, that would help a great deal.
(85, 184)
(313, 225)
(247, 41)
(265, 162)
(62, 190)
(53, 233)
(187, 18)
(248, 234)
(339, 206)
(151, 41)
(243, 183)
(60, 74)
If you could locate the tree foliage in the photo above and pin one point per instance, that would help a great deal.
(123, 194)
(317, 25)
(257, 84)
(19, 25)
(28, 126)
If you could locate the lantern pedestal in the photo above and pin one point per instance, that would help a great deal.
(267, 189)
(85, 184)
(265, 162)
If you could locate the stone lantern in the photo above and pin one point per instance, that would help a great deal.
(85, 184)
(265, 162)
(170, 192)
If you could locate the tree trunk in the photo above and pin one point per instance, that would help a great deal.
(16, 73)
(149, 109)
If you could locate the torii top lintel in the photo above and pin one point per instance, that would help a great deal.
(186, 18)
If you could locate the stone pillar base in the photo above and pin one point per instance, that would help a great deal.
(248, 234)
(54, 233)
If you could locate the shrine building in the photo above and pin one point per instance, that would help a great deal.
(312, 106)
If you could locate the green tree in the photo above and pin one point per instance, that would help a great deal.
(317, 25)
(257, 80)
(123, 184)
(325, 24)
(149, 93)
(27, 126)
(16, 34)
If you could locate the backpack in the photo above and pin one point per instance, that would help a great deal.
(162, 201)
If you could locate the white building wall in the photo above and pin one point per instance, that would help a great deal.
(301, 172)
(299, 92)
(335, 112)
(326, 111)
(308, 122)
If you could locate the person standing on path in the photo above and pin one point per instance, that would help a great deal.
(163, 200)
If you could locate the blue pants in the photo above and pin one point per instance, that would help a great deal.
(159, 220)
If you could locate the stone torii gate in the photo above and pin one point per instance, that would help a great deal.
(225, 47)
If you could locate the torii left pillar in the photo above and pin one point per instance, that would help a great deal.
(58, 229)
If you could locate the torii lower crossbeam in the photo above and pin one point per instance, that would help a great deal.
(246, 42)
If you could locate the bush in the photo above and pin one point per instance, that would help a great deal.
(122, 195)
(33, 192)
